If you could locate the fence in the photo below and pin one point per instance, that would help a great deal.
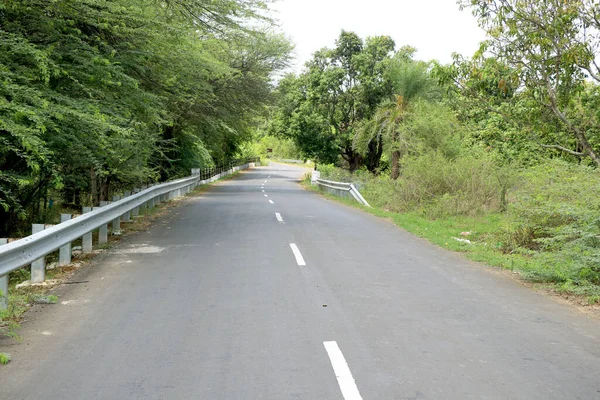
(44, 240)
(340, 189)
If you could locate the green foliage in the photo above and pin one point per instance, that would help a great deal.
(99, 96)
(554, 218)
(4, 358)
(282, 147)
(503, 144)
(436, 186)
(552, 47)
(339, 87)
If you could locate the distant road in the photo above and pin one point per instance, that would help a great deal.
(262, 290)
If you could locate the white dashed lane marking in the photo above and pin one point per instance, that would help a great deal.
(342, 371)
(297, 254)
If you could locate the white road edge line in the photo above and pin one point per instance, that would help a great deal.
(271, 201)
(278, 216)
(342, 371)
(297, 254)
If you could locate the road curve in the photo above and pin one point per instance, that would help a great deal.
(259, 289)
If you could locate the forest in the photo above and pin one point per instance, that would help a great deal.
(501, 147)
(99, 96)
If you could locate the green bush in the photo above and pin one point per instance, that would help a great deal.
(437, 186)
(555, 217)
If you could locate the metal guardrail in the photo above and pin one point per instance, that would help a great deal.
(339, 188)
(33, 248)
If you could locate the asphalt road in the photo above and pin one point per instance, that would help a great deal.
(283, 294)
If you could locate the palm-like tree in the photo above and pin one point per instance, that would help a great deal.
(411, 81)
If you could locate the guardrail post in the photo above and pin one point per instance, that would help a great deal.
(64, 253)
(116, 224)
(103, 230)
(127, 215)
(144, 205)
(38, 267)
(314, 176)
(136, 211)
(3, 285)
(86, 240)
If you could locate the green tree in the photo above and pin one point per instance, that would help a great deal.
(102, 95)
(553, 46)
(339, 88)
(410, 82)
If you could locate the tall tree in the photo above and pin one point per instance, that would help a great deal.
(553, 45)
(340, 87)
(410, 82)
(101, 95)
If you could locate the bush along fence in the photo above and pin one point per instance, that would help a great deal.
(340, 189)
(45, 239)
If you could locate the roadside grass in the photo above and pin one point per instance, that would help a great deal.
(482, 231)
(22, 298)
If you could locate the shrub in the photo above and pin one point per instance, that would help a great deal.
(437, 186)
(555, 217)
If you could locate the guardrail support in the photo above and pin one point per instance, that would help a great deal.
(341, 189)
(38, 267)
(116, 224)
(3, 285)
(127, 215)
(136, 211)
(64, 253)
(86, 240)
(143, 206)
(103, 230)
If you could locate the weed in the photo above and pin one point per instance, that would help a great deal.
(4, 358)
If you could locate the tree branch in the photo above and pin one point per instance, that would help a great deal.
(556, 146)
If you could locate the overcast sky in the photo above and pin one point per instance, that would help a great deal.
(437, 28)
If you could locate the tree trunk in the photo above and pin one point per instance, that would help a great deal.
(395, 157)
(354, 161)
(577, 132)
(374, 155)
(395, 164)
(353, 158)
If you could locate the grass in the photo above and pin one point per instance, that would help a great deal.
(484, 247)
(4, 358)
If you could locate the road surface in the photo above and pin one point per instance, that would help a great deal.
(259, 289)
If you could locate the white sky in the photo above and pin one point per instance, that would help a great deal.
(436, 28)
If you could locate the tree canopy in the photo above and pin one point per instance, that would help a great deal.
(341, 86)
(99, 95)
